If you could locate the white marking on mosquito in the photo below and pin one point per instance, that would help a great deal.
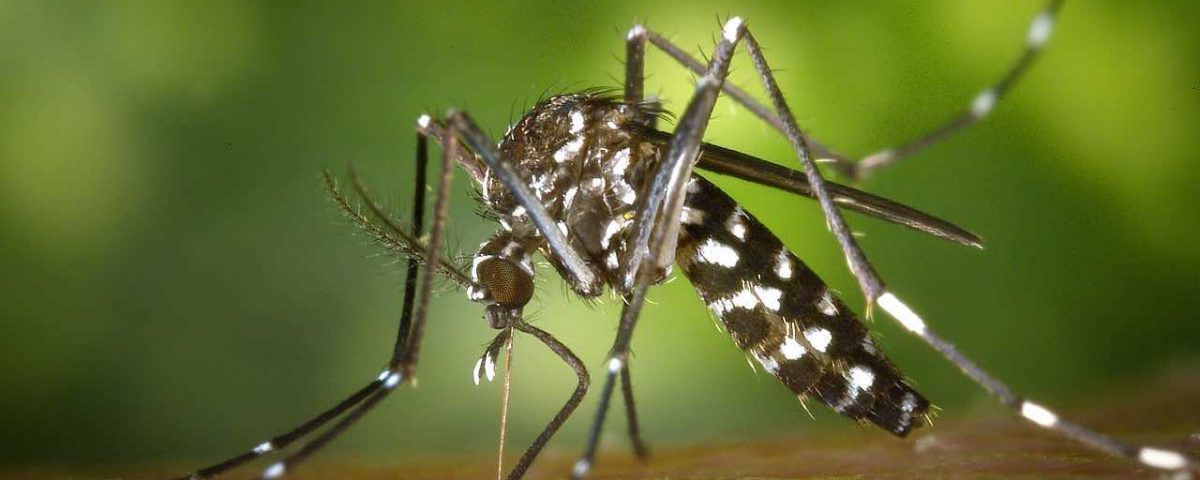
(768, 362)
(635, 32)
(1159, 458)
(861, 378)
(629, 196)
(383, 375)
(714, 252)
(736, 223)
(1038, 414)
(614, 226)
(825, 304)
(576, 121)
(542, 183)
(487, 178)
(263, 448)
(733, 28)
(769, 296)
(612, 262)
(569, 197)
(423, 121)
(907, 406)
(1040, 29)
(901, 312)
(475, 265)
(783, 265)
(624, 192)
(693, 186)
(615, 365)
(819, 338)
(274, 471)
(511, 250)
(562, 227)
(581, 468)
(477, 372)
(791, 349)
(620, 162)
(744, 299)
(519, 211)
(983, 103)
(706, 81)
(489, 367)
(868, 345)
(392, 380)
(569, 150)
(598, 183)
(691, 216)
(880, 157)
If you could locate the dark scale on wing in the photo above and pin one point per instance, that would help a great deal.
(576, 153)
(780, 312)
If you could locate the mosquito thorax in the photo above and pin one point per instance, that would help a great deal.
(582, 159)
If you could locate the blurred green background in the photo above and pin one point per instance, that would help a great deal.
(179, 287)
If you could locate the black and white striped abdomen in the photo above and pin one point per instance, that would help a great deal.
(783, 315)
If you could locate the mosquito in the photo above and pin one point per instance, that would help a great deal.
(587, 181)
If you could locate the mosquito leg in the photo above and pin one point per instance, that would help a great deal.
(635, 79)
(868, 281)
(874, 288)
(635, 431)
(418, 221)
(635, 65)
(657, 227)
(739, 95)
(280, 441)
(1150, 456)
(1039, 33)
(382, 382)
(567, 409)
(404, 363)
(983, 103)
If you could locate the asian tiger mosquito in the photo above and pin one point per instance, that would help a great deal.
(587, 180)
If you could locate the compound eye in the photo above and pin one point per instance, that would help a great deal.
(510, 285)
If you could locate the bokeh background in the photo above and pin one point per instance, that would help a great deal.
(178, 286)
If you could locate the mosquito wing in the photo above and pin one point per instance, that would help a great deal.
(724, 161)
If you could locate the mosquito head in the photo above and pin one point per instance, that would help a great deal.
(503, 278)
(510, 288)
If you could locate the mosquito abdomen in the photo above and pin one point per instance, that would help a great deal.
(783, 315)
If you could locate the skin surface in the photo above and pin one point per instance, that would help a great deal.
(980, 444)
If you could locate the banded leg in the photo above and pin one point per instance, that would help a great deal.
(1039, 33)
(1153, 457)
(1039, 415)
(486, 365)
(405, 359)
(385, 380)
(657, 226)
